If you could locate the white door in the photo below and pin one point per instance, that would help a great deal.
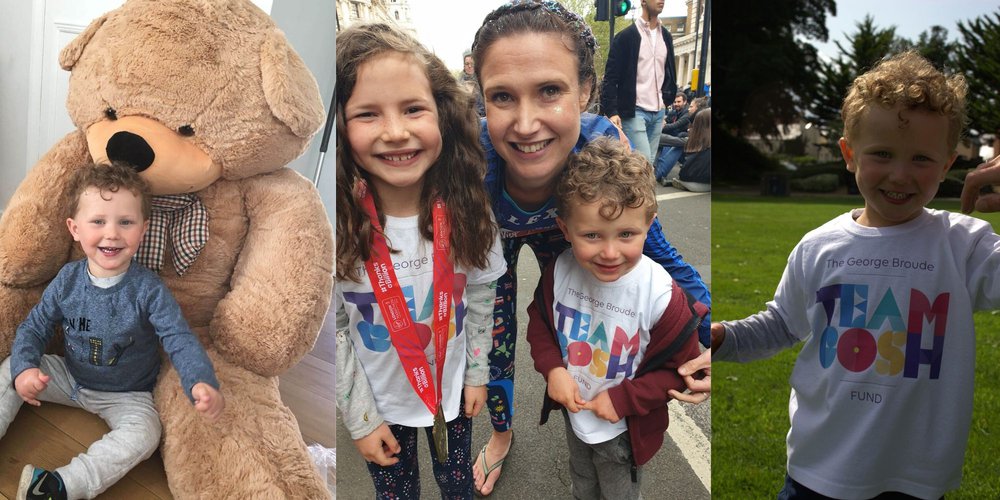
(54, 24)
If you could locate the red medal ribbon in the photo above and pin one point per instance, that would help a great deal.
(392, 304)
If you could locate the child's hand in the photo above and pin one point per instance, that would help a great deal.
(564, 390)
(475, 399)
(602, 407)
(208, 401)
(29, 384)
(718, 332)
(379, 447)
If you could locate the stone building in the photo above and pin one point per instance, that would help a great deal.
(396, 12)
(688, 32)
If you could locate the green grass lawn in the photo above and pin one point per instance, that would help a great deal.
(752, 237)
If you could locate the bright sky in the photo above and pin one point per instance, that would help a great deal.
(911, 17)
(448, 28)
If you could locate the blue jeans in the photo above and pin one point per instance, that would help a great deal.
(643, 130)
(794, 490)
(666, 160)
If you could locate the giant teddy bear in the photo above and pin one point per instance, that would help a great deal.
(207, 100)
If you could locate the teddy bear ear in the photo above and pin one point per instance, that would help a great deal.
(289, 88)
(71, 53)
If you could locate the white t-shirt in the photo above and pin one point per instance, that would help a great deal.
(603, 331)
(395, 398)
(881, 394)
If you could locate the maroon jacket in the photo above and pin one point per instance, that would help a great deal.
(641, 400)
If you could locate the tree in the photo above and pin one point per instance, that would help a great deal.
(934, 45)
(865, 48)
(763, 65)
(978, 58)
(869, 45)
(587, 10)
(765, 71)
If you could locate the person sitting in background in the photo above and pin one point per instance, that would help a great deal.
(696, 164)
(678, 112)
(679, 127)
(672, 145)
(674, 134)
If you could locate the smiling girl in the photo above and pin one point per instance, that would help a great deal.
(412, 340)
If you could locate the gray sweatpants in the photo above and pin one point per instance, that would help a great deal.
(135, 427)
(601, 471)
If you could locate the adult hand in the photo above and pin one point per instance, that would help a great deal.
(29, 384)
(718, 333)
(700, 389)
(379, 447)
(564, 390)
(475, 399)
(617, 122)
(602, 407)
(986, 174)
(208, 401)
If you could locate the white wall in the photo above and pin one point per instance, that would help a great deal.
(15, 24)
(310, 26)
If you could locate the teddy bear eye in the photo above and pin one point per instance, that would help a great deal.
(111, 114)
(186, 130)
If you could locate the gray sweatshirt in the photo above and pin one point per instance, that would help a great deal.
(112, 334)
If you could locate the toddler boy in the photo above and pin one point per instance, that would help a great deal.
(608, 327)
(113, 313)
(883, 297)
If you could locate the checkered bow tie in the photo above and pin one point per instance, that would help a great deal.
(184, 220)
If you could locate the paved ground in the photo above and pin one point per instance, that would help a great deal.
(537, 465)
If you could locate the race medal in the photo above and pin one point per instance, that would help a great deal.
(440, 434)
(402, 331)
(443, 283)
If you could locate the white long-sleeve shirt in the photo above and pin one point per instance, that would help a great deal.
(882, 390)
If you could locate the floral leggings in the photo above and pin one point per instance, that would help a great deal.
(546, 246)
(454, 477)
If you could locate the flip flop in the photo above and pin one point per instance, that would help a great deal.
(489, 469)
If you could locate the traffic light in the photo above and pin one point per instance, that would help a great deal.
(620, 7)
(602, 10)
(617, 7)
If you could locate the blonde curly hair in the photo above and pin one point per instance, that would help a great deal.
(907, 79)
(606, 171)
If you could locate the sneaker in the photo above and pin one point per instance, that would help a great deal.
(39, 483)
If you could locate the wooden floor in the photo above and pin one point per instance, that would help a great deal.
(50, 433)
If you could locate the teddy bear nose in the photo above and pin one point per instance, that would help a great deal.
(132, 149)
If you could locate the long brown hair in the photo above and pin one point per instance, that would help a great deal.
(456, 177)
(700, 134)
